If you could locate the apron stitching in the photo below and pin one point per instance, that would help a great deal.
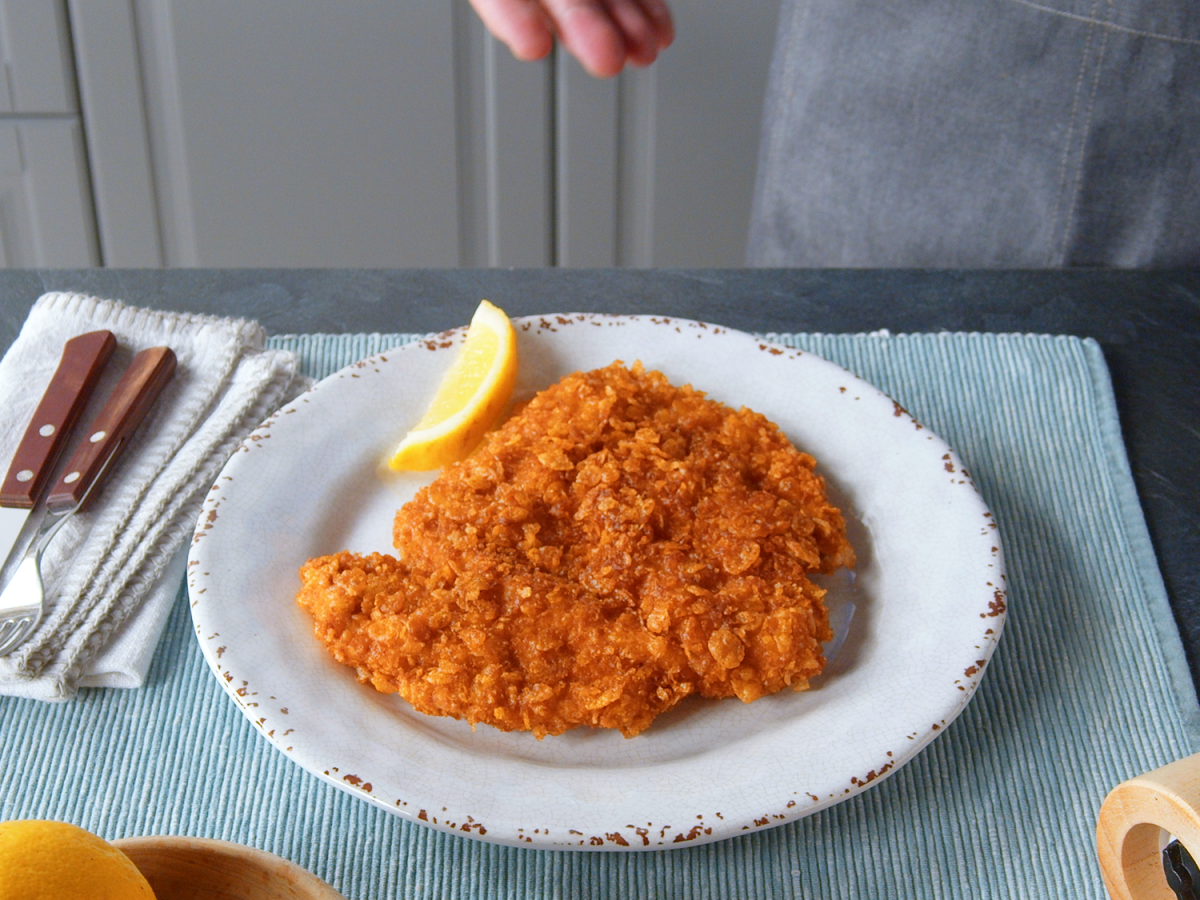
(1091, 20)
(780, 124)
(1091, 107)
(788, 81)
(1060, 218)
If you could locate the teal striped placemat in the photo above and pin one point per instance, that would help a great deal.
(1089, 687)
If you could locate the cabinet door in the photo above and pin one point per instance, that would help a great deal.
(114, 116)
(45, 195)
(302, 134)
(45, 202)
(36, 75)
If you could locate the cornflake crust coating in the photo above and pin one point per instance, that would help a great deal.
(616, 546)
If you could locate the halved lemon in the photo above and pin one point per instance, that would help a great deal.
(43, 860)
(470, 398)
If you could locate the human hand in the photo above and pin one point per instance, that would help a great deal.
(604, 35)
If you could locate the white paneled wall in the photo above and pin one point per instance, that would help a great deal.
(377, 133)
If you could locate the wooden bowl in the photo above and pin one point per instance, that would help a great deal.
(186, 868)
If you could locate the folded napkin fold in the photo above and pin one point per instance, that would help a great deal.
(112, 573)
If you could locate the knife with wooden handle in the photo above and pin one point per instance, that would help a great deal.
(83, 360)
(110, 431)
(23, 600)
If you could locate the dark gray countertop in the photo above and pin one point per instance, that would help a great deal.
(1148, 324)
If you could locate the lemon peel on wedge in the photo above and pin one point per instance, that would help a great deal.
(45, 860)
(470, 398)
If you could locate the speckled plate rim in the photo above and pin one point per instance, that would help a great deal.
(928, 597)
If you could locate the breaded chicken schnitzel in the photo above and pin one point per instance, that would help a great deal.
(616, 546)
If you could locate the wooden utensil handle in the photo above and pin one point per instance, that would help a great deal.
(83, 359)
(109, 433)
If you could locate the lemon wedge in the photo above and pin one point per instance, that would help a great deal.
(470, 398)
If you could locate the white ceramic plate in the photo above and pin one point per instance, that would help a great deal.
(927, 595)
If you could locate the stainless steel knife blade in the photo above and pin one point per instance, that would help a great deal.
(83, 360)
(12, 523)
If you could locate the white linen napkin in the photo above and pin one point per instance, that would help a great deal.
(113, 571)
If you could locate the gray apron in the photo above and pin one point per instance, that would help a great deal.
(981, 133)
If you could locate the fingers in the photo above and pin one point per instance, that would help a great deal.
(522, 25)
(660, 14)
(645, 26)
(590, 33)
(604, 35)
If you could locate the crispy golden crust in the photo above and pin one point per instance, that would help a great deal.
(616, 546)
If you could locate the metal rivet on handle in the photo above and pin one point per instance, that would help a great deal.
(25, 475)
(46, 430)
(72, 478)
(98, 437)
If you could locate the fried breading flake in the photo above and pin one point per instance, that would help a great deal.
(616, 546)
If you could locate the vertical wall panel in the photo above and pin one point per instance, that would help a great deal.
(635, 184)
(45, 199)
(708, 113)
(506, 151)
(520, 160)
(46, 216)
(113, 104)
(471, 116)
(35, 50)
(675, 188)
(586, 160)
(314, 134)
(16, 235)
(164, 126)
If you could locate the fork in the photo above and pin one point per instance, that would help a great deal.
(25, 588)
(23, 599)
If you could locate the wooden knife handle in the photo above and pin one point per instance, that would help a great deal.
(83, 359)
(109, 433)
